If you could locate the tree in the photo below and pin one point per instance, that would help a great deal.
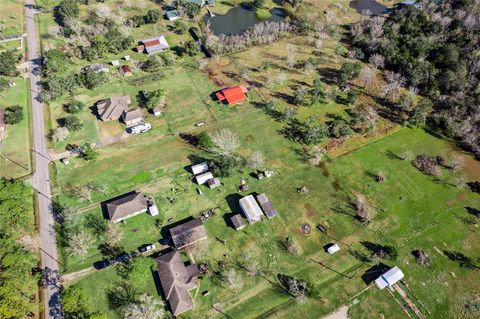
(204, 140)
(427, 165)
(257, 4)
(60, 134)
(293, 247)
(113, 234)
(363, 210)
(73, 303)
(300, 96)
(147, 307)
(68, 214)
(421, 257)
(72, 123)
(55, 61)
(79, 243)
(92, 79)
(458, 162)
(256, 160)
(152, 64)
(180, 27)
(74, 107)
(349, 71)
(13, 114)
(152, 16)
(225, 142)
(191, 48)
(233, 279)
(377, 60)
(89, 152)
(250, 264)
(317, 90)
(8, 61)
(156, 99)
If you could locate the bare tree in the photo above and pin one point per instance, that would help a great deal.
(60, 134)
(407, 155)
(80, 191)
(250, 264)
(147, 307)
(69, 214)
(394, 83)
(256, 160)
(113, 234)
(377, 60)
(369, 116)
(367, 75)
(291, 52)
(79, 243)
(458, 162)
(233, 279)
(363, 210)
(293, 247)
(421, 257)
(225, 142)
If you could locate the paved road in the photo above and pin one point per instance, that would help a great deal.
(41, 180)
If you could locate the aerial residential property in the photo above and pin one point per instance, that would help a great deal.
(313, 159)
(113, 108)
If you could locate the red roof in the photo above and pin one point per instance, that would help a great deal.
(126, 68)
(151, 43)
(232, 95)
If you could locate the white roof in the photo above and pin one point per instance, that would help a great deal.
(251, 209)
(333, 249)
(203, 178)
(199, 168)
(115, 62)
(389, 278)
(153, 210)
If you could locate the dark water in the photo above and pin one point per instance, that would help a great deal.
(374, 7)
(239, 19)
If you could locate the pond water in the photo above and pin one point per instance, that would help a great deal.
(372, 5)
(239, 19)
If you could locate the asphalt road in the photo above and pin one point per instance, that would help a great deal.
(41, 179)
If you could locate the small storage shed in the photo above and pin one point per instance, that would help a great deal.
(199, 168)
(157, 111)
(266, 205)
(153, 210)
(389, 278)
(333, 249)
(172, 15)
(237, 221)
(213, 183)
(203, 178)
(115, 62)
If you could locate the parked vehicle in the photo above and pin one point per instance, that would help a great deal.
(102, 264)
(123, 258)
(141, 128)
(146, 248)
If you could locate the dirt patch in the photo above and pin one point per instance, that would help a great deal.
(222, 61)
(340, 313)
(312, 212)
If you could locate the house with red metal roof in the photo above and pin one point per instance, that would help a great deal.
(153, 45)
(232, 95)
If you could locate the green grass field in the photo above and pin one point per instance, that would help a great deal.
(414, 211)
(15, 147)
(11, 17)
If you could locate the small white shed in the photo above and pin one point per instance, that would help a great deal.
(115, 62)
(333, 249)
(203, 178)
(389, 278)
(153, 210)
(127, 58)
(199, 168)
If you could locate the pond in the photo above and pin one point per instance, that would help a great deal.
(372, 5)
(239, 19)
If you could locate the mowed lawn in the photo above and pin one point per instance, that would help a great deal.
(11, 18)
(15, 147)
(414, 212)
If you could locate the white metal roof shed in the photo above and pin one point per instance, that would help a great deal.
(389, 278)
(250, 208)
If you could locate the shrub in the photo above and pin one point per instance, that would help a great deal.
(74, 107)
(13, 114)
(427, 165)
(72, 123)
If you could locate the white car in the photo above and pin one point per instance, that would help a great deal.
(147, 248)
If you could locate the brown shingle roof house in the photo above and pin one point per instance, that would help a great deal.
(132, 117)
(188, 233)
(126, 206)
(237, 221)
(113, 108)
(176, 280)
